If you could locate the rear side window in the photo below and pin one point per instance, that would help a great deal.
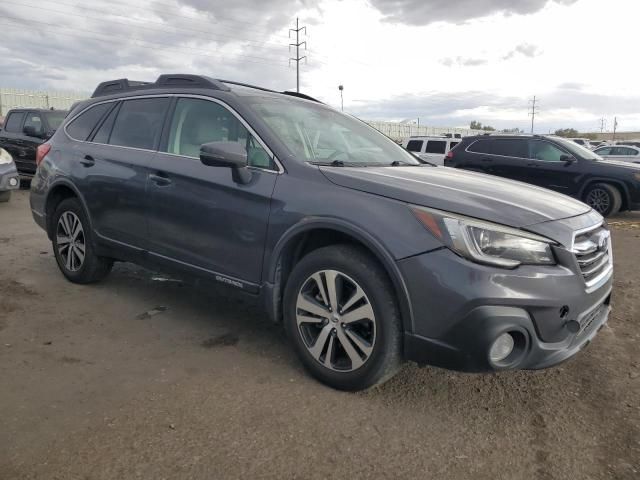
(452, 145)
(480, 146)
(622, 151)
(104, 131)
(139, 123)
(436, 146)
(510, 148)
(83, 125)
(414, 145)
(14, 122)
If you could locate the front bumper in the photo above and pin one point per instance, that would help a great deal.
(9, 178)
(459, 309)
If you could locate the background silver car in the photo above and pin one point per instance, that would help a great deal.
(9, 179)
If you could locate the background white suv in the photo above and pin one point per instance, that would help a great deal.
(432, 149)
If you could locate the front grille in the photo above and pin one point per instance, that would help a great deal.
(592, 249)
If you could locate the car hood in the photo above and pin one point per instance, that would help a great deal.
(608, 163)
(457, 191)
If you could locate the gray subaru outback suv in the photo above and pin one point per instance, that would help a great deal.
(368, 256)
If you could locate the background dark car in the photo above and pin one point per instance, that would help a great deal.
(24, 130)
(554, 163)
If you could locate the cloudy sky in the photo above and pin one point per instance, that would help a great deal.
(446, 62)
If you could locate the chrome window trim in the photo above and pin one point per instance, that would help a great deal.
(523, 158)
(279, 167)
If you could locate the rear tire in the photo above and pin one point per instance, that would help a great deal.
(348, 337)
(603, 198)
(5, 196)
(73, 245)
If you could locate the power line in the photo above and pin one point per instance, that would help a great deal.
(298, 44)
(533, 112)
(150, 45)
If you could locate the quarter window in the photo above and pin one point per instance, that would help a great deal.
(414, 146)
(196, 122)
(480, 146)
(139, 123)
(545, 151)
(14, 122)
(436, 146)
(81, 127)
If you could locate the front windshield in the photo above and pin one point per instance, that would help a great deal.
(55, 118)
(577, 150)
(319, 135)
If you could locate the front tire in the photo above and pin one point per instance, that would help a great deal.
(73, 245)
(341, 314)
(603, 198)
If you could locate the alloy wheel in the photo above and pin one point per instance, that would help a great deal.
(599, 199)
(336, 320)
(70, 241)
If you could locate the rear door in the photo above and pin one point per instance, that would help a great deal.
(111, 167)
(11, 141)
(508, 159)
(198, 215)
(434, 151)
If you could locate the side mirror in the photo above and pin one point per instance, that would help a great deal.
(227, 154)
(567, 159)
(31, 131)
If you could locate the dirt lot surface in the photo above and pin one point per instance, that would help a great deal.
(142, 378)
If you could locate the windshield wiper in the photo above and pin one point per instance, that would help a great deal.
(335, 163)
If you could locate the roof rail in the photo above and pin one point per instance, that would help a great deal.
(300, 95)
(169, 80)
(231, 82)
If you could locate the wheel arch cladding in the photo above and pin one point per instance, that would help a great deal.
(56, 195)
(305, 238)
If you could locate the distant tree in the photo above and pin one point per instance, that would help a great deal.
(512, 130)
(474, 125)
(567, 132)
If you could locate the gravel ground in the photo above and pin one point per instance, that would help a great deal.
(142, 378)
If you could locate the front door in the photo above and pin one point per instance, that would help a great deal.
(198, 215)
(550, 168)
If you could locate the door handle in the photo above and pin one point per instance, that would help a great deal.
(160, 179)
(88, 161)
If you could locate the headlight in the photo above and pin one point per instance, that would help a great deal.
(485, 242)
(5, 157)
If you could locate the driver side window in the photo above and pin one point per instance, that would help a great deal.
(196, 122)
(545, 151)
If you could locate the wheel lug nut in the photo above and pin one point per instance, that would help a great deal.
(343, 325)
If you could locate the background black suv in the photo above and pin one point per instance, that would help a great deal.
(554, 163)
(25, 129)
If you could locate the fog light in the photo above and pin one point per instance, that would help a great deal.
(501, 348)
(13, 182)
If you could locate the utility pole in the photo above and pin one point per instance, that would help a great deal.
(298, 44)
(534, 110)
(603, 124)
(341, 88)
(615, 127)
